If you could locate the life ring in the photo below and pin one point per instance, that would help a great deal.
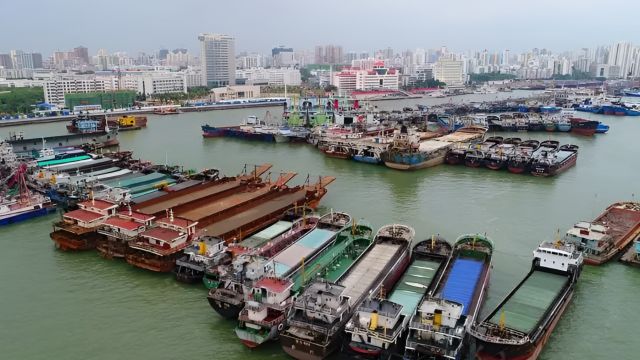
(280, 326)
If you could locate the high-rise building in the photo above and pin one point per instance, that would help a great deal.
(162, 54)
(449, 71)
(5, 61)
(82, 54)
(620, 55)
(329, 54)
(217, 54)
(283, 57)
(319, 55)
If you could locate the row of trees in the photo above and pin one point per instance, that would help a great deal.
(492, 76)
(429, 83)
(193, 93)
(19, 100)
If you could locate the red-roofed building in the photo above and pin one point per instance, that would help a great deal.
(100, 206)
(274, 286)
(78, 229)
(119, 230)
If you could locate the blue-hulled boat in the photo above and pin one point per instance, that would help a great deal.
(438, 330)
(602, 128)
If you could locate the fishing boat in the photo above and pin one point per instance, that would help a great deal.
(635, 92)
(271, 297)
(563, 125)
(519, 327)
(379, 327)
(203, 253)
(499, 156)
(157, 249)
(508, 123)
(86, 125)
(550, 124)
(519, 162)
(266, 243)
(119, 230)
(550, 163)
(583, 127)
(228, 299)
(438, 329)
(337, 151)
(368, 154)
(476, 157)
(315, 326)
(608, 235)
(78, 229)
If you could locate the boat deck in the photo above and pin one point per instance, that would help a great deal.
(413, 284)
(185, 197)
(267, 234)
(293, 256)
(563, 155)
(280, 203)
(361, 278)
(199, 212)
(139, 180)
(462, 282)
(621, 224)
(525, 308)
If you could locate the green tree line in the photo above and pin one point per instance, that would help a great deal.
(19, 100)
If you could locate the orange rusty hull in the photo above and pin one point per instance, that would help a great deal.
(70, 242)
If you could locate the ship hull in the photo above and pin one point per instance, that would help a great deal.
(110, 249)
(69, 242)
(151, 262)
(555, 169)
(225, 309)
(420, 165)
(454, 159)
(494, 164)
(526, 351)
(26, 215)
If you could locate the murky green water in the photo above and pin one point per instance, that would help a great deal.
(56, 305)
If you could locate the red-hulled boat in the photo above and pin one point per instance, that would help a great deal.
(158, 248)
(554, 162)
(78, 229)
(337, 151)
(583, 127)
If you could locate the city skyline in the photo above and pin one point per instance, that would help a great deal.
(557, 26)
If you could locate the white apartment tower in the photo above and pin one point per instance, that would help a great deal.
(217, 53)
(620, 55)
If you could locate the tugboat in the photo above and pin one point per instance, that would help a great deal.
(499, 156)
(584, 127)
(158, 248)
(197, 257)
(551, 163)
(119, 230)
(229, 297)
(608, 235)
(437, 330)
(271, 298)
(379, 327)
(78, 229)
(315, 326)
(520, 161)
(522, 323)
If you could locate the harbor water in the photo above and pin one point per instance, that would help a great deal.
(56, 305)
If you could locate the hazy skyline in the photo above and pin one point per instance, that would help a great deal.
(47, 26)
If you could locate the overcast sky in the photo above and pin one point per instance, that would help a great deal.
(148, 25)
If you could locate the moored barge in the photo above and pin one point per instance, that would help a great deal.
(438, 329)
(315, 325)
(204, 252)
(379, 328)
(119, 230)
(522, 323)
(271, 297)
(78, 229)
(158, 248)
(608, 235)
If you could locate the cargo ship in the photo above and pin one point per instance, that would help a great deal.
(499, 156)
(78, 229)
(520, 161)
(407, 154)
(204, 252)
(119, 230)
(271, 297)
(22, 146)
(608, 235)
(584, 127)
(438, 329)
(229, 298)
(267, 243)
(379, 326)
(25, 205)
(476, 157)
(320, 314)
(157, 249)
(550, 163)
(522, 323)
